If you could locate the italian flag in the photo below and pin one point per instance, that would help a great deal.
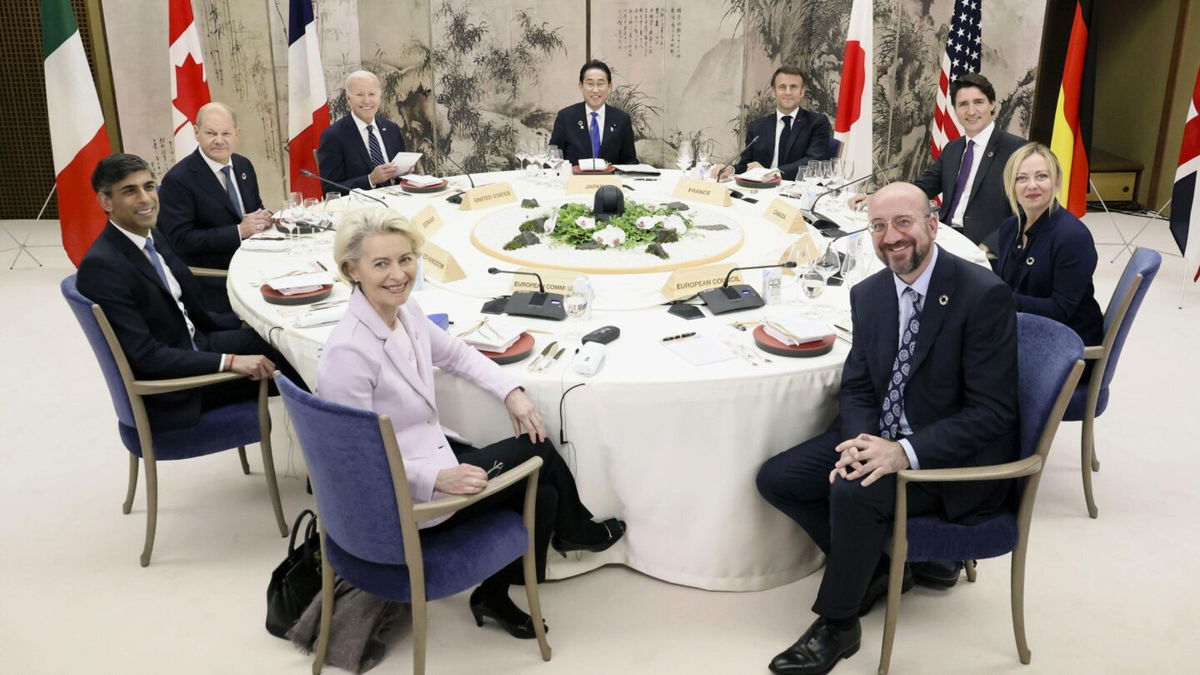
(77, 134)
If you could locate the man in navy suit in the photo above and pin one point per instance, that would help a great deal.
(975, 161)
(787, 139)
(357, 150)
(210, 201)
(153, 302)
(593, 128)
(930, 382)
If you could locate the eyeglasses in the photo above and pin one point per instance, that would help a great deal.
(900, 223)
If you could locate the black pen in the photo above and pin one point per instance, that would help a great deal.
(679, 337)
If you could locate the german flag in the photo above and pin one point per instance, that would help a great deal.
(1071, 139)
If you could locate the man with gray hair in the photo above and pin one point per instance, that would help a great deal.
(357, 150)
(210, 201)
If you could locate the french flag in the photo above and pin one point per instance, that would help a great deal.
(853, 124)
(308, 109)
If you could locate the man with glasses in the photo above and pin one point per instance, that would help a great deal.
(930, 382)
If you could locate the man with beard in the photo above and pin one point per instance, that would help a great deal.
(930, 382)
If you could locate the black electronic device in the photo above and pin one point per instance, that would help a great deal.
(685, 311)
(825, 225)
(603, 335)
(495, 306)
(348, 189)
(609, 203)
(737, 297)
(457, 197)
(539, 305)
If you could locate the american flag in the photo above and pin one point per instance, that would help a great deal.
(964, 45)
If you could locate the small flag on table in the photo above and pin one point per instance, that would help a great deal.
(78, 137)
(1185, 213)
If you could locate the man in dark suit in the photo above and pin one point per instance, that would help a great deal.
(930, 382)
(787, 139)
(210, 201)
(969, 174)
(594, 129)
(153, 303)
(357, 150)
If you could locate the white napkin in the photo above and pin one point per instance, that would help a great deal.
(292, 284)
(596, 164)
(759, 174)
(321, 317)
(801, 329)
(497, 334)
(422, 181)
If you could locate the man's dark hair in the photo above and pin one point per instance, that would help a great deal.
(972, 80)
(597, 65)
(789, 70)
(114, 168)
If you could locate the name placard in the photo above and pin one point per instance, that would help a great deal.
(803, 251)
(702, 191)
(691, 280)
(440, 265)
(487, 196)
(556, 281)
(786, 217)
(589, 184)
(428, 221)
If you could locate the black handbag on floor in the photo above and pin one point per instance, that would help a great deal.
(297, 580)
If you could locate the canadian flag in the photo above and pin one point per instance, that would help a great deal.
(853, 124)
(308, 109)
(189, 85)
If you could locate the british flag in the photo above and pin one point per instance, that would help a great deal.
(964, 45)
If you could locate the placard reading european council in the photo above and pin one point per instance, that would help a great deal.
(689, 281)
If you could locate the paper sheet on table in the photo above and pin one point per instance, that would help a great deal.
(699, 350)
(638, 168)
(759, 174)
(405, 161)
(422, 181)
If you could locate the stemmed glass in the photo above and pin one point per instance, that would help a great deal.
(683, 157)
(575, 306)
(703, 154)
(541, 153)
(522, 152)
(812, 283)
(554, 158)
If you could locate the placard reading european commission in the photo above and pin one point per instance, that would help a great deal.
(669, 434)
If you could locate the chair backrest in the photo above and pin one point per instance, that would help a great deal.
(835, 148)
(1047, 356)
(1123, 306)
(358, 488)
(113, 364)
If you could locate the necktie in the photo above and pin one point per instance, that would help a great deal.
(893, 402)
(595, 135)
(959, 185)
(784, 136)
(162, 274)
(233, 197)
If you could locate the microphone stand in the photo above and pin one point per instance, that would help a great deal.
(540, 305)
(349, 190)
(454, 198)
(823, 223)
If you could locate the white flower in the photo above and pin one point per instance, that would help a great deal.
(609, 236)
(674, 222)
(585, 223)
(648, 222)
(550, 224)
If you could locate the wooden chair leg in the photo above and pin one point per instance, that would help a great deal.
(326, 610)
(893, 611)
(420, 627)
(132, 489)
(1018, 603)
(242, 456)
(535, 603)
(1088, 464)
(268, 459)
(151, 510)
(969, 565)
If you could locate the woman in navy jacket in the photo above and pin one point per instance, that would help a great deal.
(1046, 254)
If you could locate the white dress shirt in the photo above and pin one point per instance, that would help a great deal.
(921, 286)
(362, 133)
(779, 132)
(981, 140)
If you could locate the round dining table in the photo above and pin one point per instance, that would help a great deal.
(669, 446)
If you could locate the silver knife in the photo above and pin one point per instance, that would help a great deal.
(537, 359)
(553, 360)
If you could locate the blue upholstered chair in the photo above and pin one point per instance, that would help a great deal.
(369, 523)
(1049, 364)
(1091, 398)
(232, 426)
(835, 148)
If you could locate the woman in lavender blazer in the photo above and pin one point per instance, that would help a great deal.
(380, 357)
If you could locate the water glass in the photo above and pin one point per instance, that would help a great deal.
(683, 157)
(703, 158)
(812, 284)
(575, 306)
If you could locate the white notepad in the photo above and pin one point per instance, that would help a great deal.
(699, 350)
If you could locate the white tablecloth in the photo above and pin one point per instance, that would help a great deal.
(669, 447)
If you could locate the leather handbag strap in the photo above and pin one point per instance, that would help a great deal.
(309, 532)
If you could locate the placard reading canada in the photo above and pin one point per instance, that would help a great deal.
(786, 217)
(589, 184)
(487, 196)
(440, 265)
(556, 281)
(701, 191)
(689, 281)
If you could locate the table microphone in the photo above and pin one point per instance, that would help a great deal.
(823, 223)
(358, 191)
(540, 305)
(737, 297)
(739, 153)
(457, 198)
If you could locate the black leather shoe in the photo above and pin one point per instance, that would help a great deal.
(878, 588)
(508, 618)
(818, 650)
(939, 574)
(614, 530)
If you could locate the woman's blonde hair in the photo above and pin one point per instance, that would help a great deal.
(1013, 165)
(358, 225)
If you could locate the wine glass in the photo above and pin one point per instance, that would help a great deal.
(683, 157)
(575, 306)
(853, 263)
(285, 219)
(812, 283)
(703, 161)
(540, 155)
(847, 170)
(554, 158)
(521, 152)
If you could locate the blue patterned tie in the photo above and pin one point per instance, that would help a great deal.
(595, 135)
(162, 274)
(893, 403)
(233, 197)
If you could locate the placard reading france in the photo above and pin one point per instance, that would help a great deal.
(701, 191)
(427, 220)
(487, 196)
(689, 281)
(556, 281)
(440, 265)
(589, 184)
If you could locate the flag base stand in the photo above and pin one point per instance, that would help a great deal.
(22, 246)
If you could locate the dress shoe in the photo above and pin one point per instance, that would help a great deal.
(938, 574)
(878, 588)
(613, 530)
(512, 619)
(818, 650)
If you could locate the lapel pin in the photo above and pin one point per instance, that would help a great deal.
(944, 300)
(580, 123)
(1029, 260)
(243, 175)
(990, 153)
